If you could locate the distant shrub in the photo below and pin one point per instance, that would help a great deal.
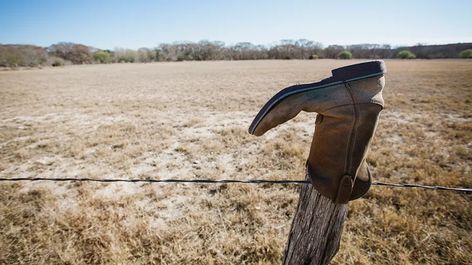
(313, 57)
(56, 61)
(467, 54)
(406, 54)
(346, 55)
(102, 57)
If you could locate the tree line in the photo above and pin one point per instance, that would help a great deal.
(73, 53)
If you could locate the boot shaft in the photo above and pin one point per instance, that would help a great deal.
(339, 147)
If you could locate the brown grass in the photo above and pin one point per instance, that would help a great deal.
(189, 120)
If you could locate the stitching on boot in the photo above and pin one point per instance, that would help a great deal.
(352, 136)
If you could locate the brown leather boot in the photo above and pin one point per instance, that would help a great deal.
(348, 106)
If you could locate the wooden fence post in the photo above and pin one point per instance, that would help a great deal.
(316, 229)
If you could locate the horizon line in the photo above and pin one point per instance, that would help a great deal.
(274, 43)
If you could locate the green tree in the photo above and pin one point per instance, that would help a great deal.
(467, 54)
(346, 55)
(406, 54)
(102, 56)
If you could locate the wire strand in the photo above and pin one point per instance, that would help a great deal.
(229, 181)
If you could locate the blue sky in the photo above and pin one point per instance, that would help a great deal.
(108, 24)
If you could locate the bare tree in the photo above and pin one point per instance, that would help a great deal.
(125, 55)
(145, 55)
(76, 53)
(22, 55)
(332, 51)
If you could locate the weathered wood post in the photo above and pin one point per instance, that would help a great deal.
(347, 105)
(316, 229)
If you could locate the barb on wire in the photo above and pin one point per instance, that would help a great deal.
(224, 181)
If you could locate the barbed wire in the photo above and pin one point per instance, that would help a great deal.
(232, 181)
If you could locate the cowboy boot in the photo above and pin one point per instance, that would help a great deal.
(348, 105)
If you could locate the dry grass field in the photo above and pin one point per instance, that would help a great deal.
(189, 120)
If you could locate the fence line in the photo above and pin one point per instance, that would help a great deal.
(229, 181)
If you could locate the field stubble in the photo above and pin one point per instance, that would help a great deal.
(189, 120)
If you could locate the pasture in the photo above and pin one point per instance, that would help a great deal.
(189, 120)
